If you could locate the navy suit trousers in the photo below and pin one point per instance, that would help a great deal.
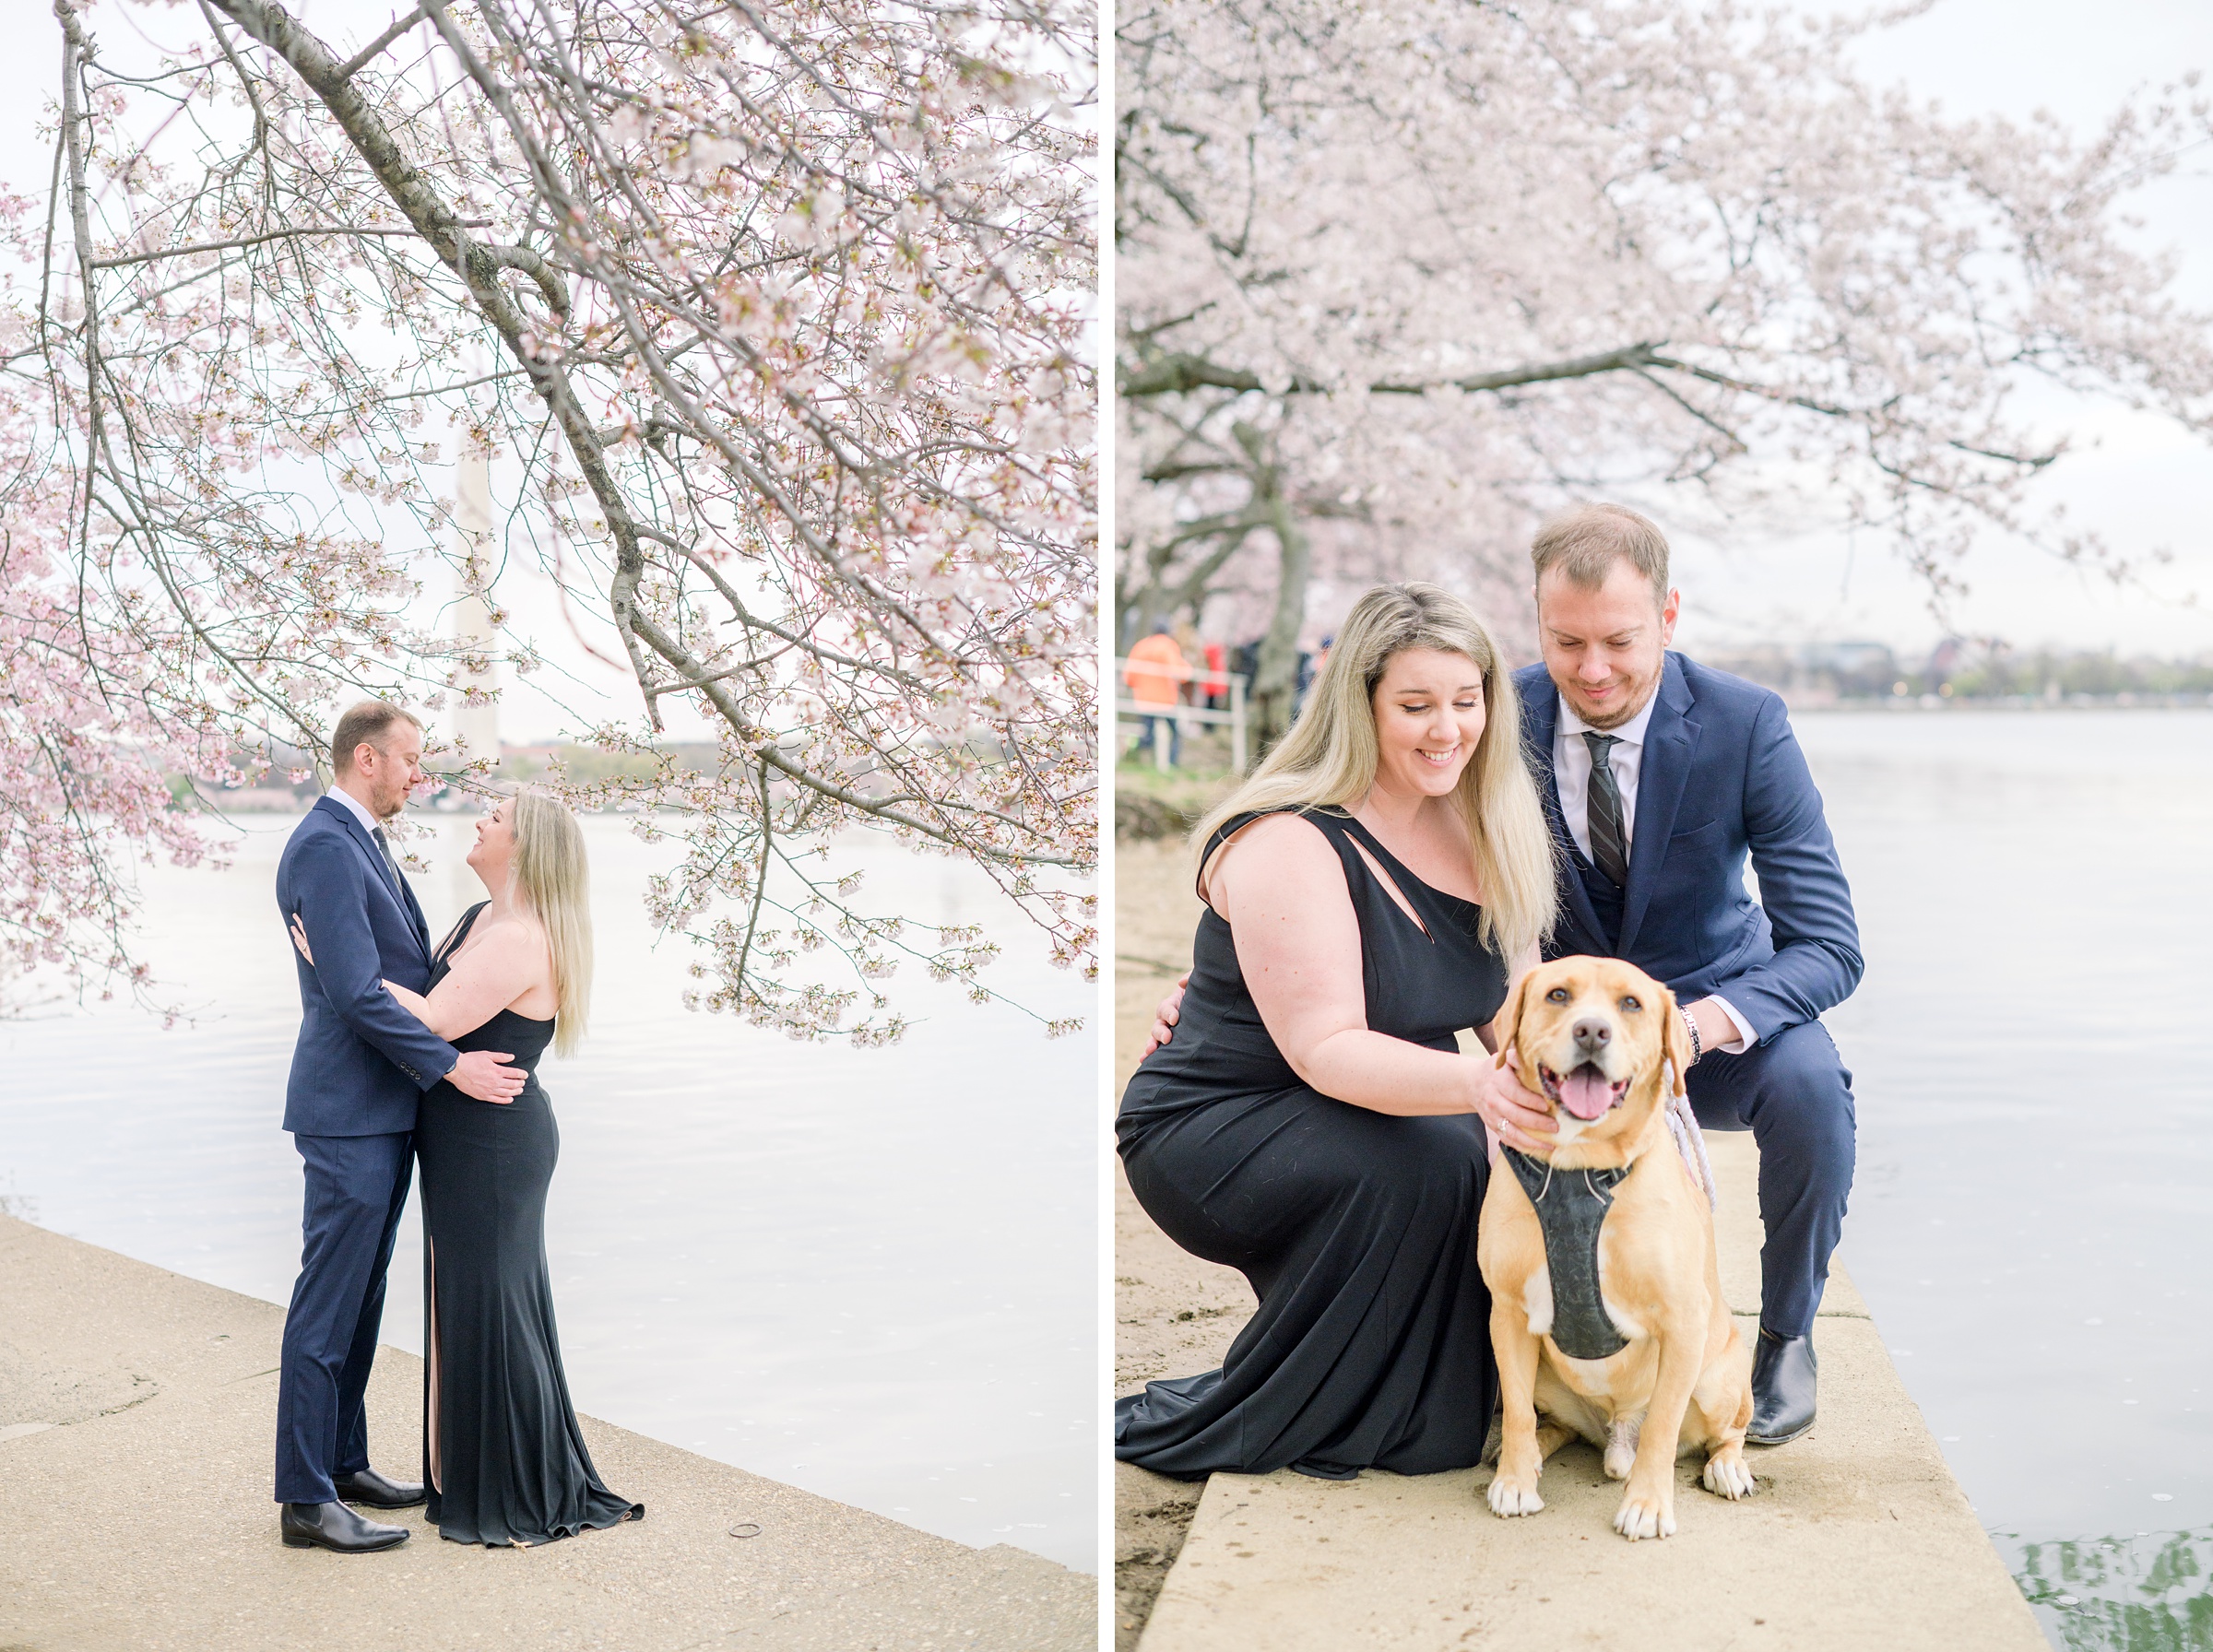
(357, 1186)
(1793, 1093)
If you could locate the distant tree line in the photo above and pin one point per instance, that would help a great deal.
(1964, 668)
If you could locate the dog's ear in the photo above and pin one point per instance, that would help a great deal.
(1509, 1017)
(1676, 1041)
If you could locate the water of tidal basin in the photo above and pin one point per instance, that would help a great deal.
(866, 1272)
(2032, 1052)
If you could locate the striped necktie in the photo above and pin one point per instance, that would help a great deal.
(1609, 839)
(384, 847)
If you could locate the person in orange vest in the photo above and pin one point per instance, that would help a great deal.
(1217, 676)
(1156, 672)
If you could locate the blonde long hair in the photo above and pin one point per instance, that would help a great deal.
(1328, 759)
(554, 880)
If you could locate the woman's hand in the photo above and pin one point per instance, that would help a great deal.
(1510, 1110)
(300, 941)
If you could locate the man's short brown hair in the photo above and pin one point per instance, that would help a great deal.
(1585, 543)
(371, 721)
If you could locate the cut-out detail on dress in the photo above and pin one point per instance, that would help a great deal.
(1390, 886)
(1384, 868)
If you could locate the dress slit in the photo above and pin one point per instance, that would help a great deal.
(432, 1362)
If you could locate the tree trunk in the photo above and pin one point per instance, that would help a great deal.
(1275, 677)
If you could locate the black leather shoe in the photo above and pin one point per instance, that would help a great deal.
(334, 1526)
(1783, 1369)
(369, 1487)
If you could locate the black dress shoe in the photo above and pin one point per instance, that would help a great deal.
(369, 1487)
(334, 1526)
(1783, 1370)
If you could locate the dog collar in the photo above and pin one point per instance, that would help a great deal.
(1572, 1207)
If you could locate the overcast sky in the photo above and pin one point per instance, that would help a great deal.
(2142, 485)
(2145, 484)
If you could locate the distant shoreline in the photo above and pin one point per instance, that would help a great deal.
(2008, 703)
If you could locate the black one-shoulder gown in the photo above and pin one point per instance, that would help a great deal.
(503, 1458)
(1371, 1347)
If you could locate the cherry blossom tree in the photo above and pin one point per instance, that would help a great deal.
(1396, 280)
(780, 309)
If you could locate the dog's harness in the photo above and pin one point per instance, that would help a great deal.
(1572, 1207)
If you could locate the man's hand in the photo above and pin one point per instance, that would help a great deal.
(1510, 1110)
(300, 941)
(1167, 1016)
(484, 1075)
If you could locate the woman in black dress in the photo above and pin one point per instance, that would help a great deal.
(503, 1456)
(1311, 1123)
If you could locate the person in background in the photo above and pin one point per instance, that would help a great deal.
(1156, 671)
(1217, 679)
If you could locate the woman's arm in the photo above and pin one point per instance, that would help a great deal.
(1281, 890)
(505, 963)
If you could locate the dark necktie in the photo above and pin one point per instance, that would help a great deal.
(1609, 841)
(400, 883)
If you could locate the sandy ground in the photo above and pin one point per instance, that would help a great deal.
(1858, 1534)
(136, 1412)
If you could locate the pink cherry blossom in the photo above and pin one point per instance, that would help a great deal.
(1396, 280)
(780, 310)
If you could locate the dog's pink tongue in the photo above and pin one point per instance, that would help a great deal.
(1585, 1093)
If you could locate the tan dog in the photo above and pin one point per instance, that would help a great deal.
(1596, 1036)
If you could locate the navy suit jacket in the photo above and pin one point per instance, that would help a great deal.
(1721, 774)
(362, 1060)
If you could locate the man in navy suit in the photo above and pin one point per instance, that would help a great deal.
(1658, 775)
(360, 1063)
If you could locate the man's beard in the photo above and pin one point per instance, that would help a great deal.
(1636, 694)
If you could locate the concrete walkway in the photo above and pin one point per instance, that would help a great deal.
(136, 1410)
(1857, 1537)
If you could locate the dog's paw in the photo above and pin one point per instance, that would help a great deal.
(1726, 1475)
(1508, 1499)
(1621, 1448)
(1644, 1518)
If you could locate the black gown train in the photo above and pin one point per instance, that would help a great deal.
(1371, 1344)
(502, 1459)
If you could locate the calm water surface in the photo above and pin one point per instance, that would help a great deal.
(866, 1272)
(2032, 1053)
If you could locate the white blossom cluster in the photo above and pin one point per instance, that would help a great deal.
(1395, 280)
(779, 310)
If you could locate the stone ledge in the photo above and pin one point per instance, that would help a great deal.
(1857, 1535)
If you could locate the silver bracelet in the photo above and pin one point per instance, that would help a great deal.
(1698, 1047)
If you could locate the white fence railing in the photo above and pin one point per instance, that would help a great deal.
(1187, 716)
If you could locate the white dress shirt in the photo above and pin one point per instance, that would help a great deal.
(1571, 773)
(371, 824)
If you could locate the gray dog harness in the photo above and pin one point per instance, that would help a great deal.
(1572, 1207)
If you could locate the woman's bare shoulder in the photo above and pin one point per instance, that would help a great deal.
(511, 934)
(1283, 849)
(1282, 830)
